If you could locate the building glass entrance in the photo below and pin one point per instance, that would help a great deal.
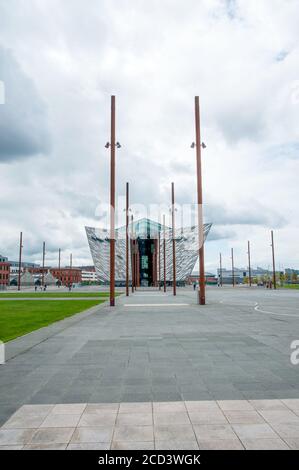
(146, 249)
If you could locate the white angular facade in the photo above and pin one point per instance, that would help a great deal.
(149, 238)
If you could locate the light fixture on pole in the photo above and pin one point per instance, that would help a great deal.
(164, 253)
(249, 264)
(173, 240)
(220, 270)
(127, 239)
(43, 265)
(198, 145)
(112, 145)
(233, 267)
(273, 260)
(20, 260)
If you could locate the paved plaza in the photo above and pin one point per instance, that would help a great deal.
(159, 372)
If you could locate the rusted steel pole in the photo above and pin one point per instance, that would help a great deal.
(127, 239)
(136, 264)
(164, 253)
(201, 285)
(112, 205)
(249, 264)
(159, 241)
(273, 259)
(173, 240)
(220, 273)
(132, 253)
(233, 268)
(20, 260)
(43, 266)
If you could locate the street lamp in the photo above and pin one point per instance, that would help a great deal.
(233, 267)
(20, 260)
(198, 145)
(273, 260)
(249, 264)
(173, 239)
(112, 145)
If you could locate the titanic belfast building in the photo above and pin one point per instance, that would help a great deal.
(147, 243)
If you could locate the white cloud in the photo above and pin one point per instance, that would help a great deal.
(241, 58)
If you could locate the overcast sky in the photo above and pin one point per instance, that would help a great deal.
(60, 60)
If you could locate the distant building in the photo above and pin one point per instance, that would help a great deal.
(210, 278)
(14, 266)
(4, 271)
(291, 272)
(66, 276)
(146, 248)
(89, 274)
(240, 274)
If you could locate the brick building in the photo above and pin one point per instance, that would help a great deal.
(66, 276)
(4, 271)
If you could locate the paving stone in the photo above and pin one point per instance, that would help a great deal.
(293, 404)
(180, 433)
(133, 433)
(207, 417)
(127, 445)
(34, 410)
(279, 416)
(12, 447)
(89, 446)
(45, 447)
(235, 405)
(214, 431)
(52, 436)
(98, 408)
(196, 406)
(72, 409)
(176, 417)
(265, 444)
(245, 356)
(135, 408)
(98, 419)
(176, 445)
(169, 407)
(15, 436)
(92, 434)
(268, 404)
(18, 421)
(251, 431)
(244, 417)
(60, 421)
(293, 443)
(220, 444)
(290, 430)
(145, 419)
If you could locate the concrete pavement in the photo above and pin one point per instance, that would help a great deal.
(154, 348)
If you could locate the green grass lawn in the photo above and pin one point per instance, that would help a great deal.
(291, 286)
(56, 294)
(21, 317)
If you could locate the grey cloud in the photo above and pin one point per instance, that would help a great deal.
(287, 150)
(253, 214)
(231, 8)
(221, 233)
(240, 122)
(23, 117)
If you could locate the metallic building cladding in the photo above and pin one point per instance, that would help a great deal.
(186, 248)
